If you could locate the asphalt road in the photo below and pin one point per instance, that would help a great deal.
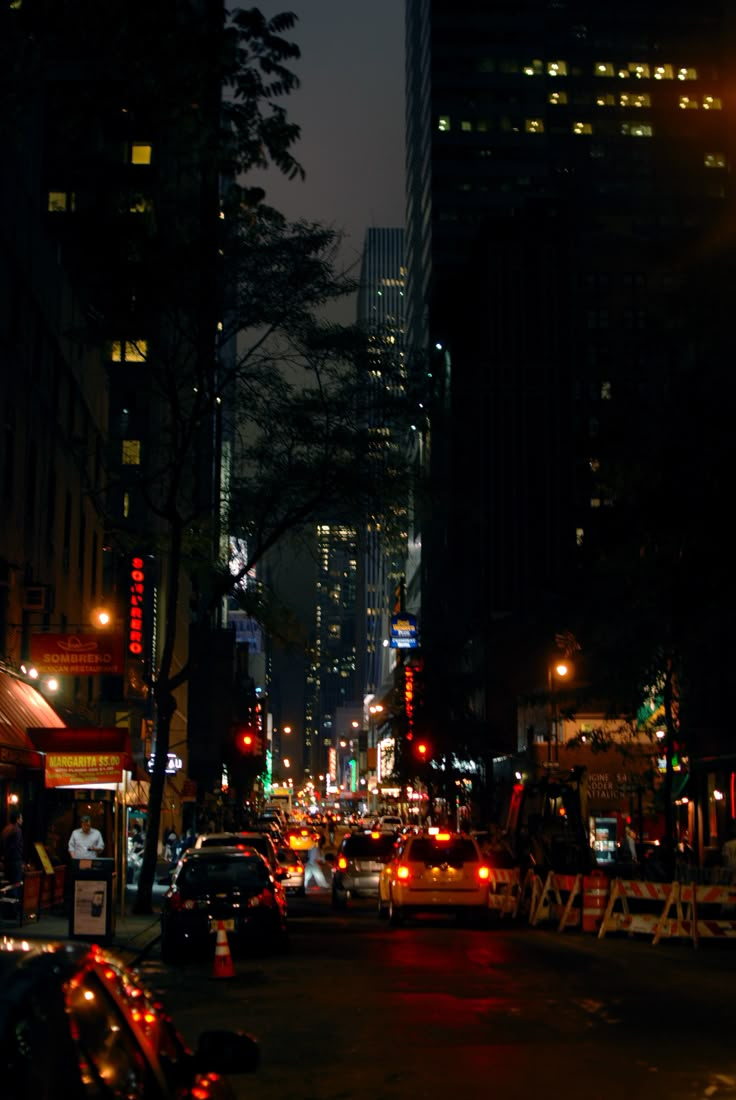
(360, 1011)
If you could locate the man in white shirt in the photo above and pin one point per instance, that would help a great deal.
(86, 842)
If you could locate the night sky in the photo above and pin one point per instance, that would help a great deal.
(350, 108)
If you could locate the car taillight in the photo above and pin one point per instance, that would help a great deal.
(178, 903)
(402, 872)
(441, 836)
(342, 863)
(484, 873)
(265, 898)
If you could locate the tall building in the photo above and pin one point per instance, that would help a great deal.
(384, 545)
(569, 191)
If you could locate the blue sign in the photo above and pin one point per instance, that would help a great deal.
(403, 632)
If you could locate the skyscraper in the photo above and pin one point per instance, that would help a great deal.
(568, 201)
(383, 550)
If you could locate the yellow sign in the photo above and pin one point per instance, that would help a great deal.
(69, 769)
(43, 855)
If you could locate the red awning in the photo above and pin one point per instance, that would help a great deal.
(22, 707)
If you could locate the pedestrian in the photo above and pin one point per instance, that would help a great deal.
(313, 869)
(11, 848)
(86, 842)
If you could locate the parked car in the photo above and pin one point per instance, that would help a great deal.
(360, 859)
(437, 872)
(232, 886)
(262, 843)
(293, 868)
(76, 1021)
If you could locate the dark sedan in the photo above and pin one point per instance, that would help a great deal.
(230, 886)
(76, 1022)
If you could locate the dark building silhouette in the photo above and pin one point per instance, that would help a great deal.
(569, 199)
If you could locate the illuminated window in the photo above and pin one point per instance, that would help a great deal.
(715, 160)
(466, 126)
(605, 391)
(604, 68)
(688, 103)
(639, 69)
(687, 74)
(129, 351)
(443, 123)
(711, 103)
(534, 125)
(131, 452)
(140, 205)
(582, 128)
(61, 202)
(126, 505)
(536, 68)
(637, 129)
(140, 153)
(664, 72)
(557, 97)
(482, 125)
(579, 536)
(629, 99)
(605, 100)
(557, 68)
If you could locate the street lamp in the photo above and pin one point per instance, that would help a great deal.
(555, 673)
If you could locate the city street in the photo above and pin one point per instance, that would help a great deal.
(363, 1011)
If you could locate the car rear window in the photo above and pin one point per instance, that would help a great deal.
(431, 851)
(368, 847)
(205, 876)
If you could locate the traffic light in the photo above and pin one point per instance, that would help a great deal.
(248, 742)
(422, 750)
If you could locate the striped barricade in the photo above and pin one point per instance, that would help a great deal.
(691, 921)
(528, 895)
(504, 890)
(618, 916)
(552, 904)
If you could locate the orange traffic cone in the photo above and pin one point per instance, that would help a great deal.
(223, 959)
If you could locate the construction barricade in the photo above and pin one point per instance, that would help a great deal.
(504, 889)
(618, 915)
(700, 911)
(556, 901)
(596, 891)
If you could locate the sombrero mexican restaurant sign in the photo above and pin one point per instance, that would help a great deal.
(78, 654)
(65, 769)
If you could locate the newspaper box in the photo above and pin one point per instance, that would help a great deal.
(92, 915)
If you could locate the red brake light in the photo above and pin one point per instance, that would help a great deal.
(483, 872)
(375, 836)
(342, 863)
(442, 836)
(402, 871)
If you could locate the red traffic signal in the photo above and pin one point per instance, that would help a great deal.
(423, 750)
(248, 742)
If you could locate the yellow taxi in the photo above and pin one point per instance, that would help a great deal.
(437, 871)
(301, 838)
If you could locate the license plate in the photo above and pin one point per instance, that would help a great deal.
(229, 925)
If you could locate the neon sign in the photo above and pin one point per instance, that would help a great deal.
(137, 590)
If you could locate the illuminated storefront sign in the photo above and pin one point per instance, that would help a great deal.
(65, 769)
(137, 593)
(78, 654)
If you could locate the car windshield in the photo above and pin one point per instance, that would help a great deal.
(368, 847)
(457, 851)
(222, 875)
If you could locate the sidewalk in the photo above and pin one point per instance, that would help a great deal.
(131, 933)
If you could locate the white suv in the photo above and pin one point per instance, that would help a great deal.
(436, 872)
(390, 824)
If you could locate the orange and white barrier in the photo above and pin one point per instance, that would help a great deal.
(504, 889)
(596, 892)
(528, 897)
(621, 919)
(689, 923)
(551, 905)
